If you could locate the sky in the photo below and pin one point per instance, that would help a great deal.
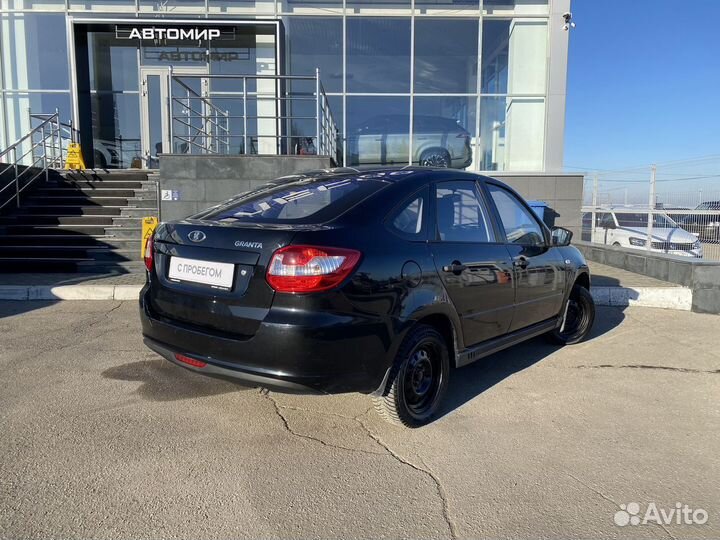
(643, 82)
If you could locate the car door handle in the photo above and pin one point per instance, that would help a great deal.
(456, 267)
(521, 262)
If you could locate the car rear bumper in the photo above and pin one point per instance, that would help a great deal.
(336, 358)
(214, 368)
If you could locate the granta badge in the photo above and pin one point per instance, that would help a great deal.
(197, 236)
(252, 245)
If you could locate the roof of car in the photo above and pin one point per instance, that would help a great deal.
(391, 173)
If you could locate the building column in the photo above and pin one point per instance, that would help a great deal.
(557, 86)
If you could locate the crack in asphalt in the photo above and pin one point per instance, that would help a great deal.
(646, 366)
(598, 492)
(425, 470)
(290, 430)
(387, 451)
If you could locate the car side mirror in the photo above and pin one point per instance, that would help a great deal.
(561, 236)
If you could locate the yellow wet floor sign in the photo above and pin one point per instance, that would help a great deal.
(148, 227)
(74, 157)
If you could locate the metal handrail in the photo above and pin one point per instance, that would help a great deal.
(45, 153)
(205, 128)
(213, 131)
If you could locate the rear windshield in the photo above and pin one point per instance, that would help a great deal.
(301, 201)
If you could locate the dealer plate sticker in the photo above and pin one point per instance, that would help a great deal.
(216, 274)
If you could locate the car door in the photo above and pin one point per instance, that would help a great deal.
(473, 264)
(604, 229)
(371, 141)
(538, 268)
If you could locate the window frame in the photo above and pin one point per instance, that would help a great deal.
(422, 236)
(485, 204)
(547, 241)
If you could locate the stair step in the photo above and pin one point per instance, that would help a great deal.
(79, 191)
(138, 212)
(69, 252)
(42, 219)
(98, 184)
(142, 203)
(100, 176)
(126, 232)
(70, 210)
(70, 265)
(78, 200)
(127, 221)
(100, 266)
(32, 229)
(71, 240)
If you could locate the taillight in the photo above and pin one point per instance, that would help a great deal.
(149, 248)
(302, 269)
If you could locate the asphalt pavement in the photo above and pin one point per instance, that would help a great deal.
(100, 438)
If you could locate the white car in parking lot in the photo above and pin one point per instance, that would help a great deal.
(629, 228)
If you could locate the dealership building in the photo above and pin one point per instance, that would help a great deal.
(476, 84)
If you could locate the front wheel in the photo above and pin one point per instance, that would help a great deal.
(579, 317)
(418, 379)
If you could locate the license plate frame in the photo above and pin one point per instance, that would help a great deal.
(218, 275)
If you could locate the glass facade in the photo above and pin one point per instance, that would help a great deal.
(408, 81)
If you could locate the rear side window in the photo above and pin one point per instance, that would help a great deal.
(302, 201)
(461, 215)
(408, 219)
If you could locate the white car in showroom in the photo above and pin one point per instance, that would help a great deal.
(628, 227)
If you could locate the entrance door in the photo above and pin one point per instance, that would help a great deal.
(172, 106)
(154, 114)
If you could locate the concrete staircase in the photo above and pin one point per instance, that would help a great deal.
(79, 221)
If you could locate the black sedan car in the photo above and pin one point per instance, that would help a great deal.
(377, 282)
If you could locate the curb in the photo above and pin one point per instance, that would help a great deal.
(679, 298)
(70, 292)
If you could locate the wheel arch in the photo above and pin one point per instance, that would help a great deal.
(583, 279)
(433, 148)
(447, 328)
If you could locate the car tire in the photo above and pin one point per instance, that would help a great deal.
(579, 318)
(435, 157)
(617, 244)
(418, 380)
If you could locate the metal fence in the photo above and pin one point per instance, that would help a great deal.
(251, 114)
(671, 208)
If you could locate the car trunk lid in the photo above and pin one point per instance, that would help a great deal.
(211, 275)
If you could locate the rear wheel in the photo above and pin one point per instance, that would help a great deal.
(435, 157)
(418, 379)
(579, 318)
